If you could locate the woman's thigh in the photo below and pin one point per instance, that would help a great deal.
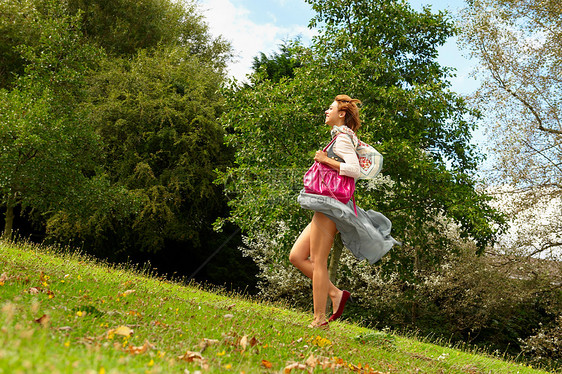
(322, 233)
(301, 248)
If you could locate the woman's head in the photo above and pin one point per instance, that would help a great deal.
(344, 111)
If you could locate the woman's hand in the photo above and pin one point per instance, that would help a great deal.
(321, 157)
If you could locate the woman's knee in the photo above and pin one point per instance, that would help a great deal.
(293, 258)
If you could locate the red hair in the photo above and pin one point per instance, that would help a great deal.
(349, 106)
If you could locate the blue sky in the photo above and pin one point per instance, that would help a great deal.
(254, 26)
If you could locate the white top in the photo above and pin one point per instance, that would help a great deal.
(344, 148)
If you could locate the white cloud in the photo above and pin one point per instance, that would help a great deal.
(248, 38)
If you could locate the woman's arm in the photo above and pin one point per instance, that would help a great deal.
(344, 149)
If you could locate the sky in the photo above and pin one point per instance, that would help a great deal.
(254, 26)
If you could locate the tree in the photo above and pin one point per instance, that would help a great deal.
(277, 65)
(15, 16)
(124, 27)
(384, 53)
(156, 117)
(518, 45)
(46, 150)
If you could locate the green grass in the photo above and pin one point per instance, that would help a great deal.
(65, 313)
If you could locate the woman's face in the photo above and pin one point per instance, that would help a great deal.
(333, 116)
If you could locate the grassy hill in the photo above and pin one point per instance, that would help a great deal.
(65, 313)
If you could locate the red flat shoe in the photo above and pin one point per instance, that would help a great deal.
(344, 297)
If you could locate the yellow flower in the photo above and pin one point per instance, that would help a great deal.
(67, 344)
(79, 313)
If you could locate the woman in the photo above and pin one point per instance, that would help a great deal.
(366, 234)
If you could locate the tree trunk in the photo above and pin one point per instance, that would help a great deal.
(414, 309)
(9, 222)
(337, 248)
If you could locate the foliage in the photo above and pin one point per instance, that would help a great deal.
(16, 17)
(122, 28)
(518, 45)
(119, 102)
(383, 53)
(155, 115)
(278, 65)
(64, 312)
(46, 149)
(545, 345)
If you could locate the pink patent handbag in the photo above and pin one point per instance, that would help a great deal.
(321, 179)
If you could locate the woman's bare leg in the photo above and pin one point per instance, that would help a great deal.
(322, 232)
(300, 257)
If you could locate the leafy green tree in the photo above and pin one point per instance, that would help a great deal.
(156, 116)
(384, 53)
(15, 18)
(277, 65)
(46, 149)
(121, 28)
(124, 27)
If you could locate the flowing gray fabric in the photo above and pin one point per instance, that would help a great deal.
(366, 235)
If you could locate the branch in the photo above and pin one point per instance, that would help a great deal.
(503, 84)
(542, 154)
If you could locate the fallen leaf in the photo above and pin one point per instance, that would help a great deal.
(191, 357)
(65, 328)
(43, 320)
(128, 292)
(3, 278)
(34, 290)
(311, 361)
(253, 341)
(244, 342)
(295, 365)
(228, 316)
(140, 350)
(121, 330)
(266, 364)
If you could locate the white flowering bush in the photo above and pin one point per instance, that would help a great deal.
(546, 344)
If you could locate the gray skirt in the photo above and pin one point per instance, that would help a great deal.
(366, 235)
